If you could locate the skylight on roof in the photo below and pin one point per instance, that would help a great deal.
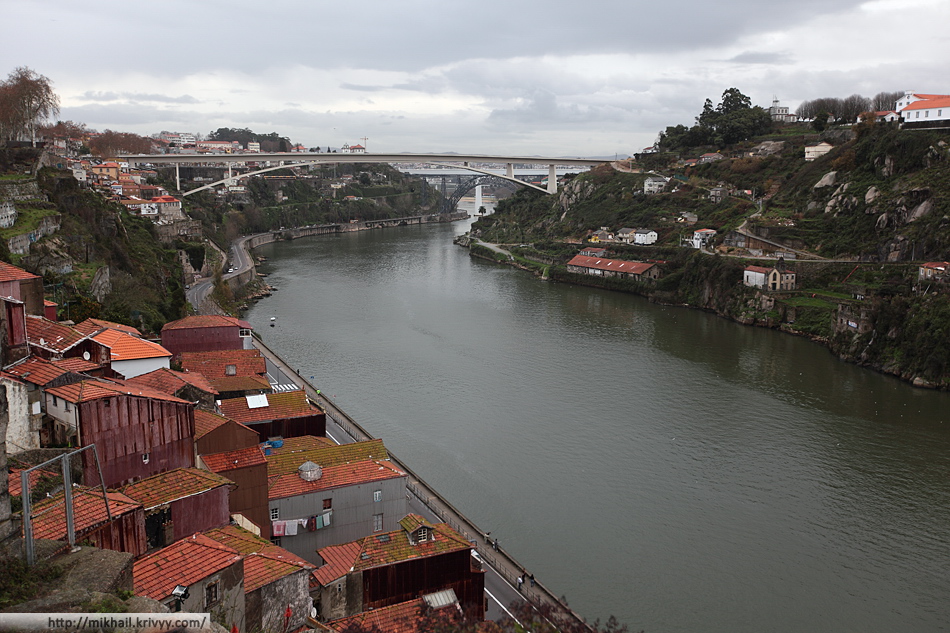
(257, 401)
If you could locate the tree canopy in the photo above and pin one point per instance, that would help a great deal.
(734, 119)
(27, 100)
(271, 142)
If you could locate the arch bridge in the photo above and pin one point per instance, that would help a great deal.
(303, 159)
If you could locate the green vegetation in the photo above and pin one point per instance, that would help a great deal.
(20, 582)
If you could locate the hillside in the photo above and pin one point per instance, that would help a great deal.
(865, 215)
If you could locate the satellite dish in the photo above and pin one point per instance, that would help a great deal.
(86, 356)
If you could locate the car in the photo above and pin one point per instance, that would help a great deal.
(230, 270)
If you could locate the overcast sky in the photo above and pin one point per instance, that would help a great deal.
(527, 78)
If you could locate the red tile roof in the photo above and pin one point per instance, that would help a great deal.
(9, 272)
(175, 484)
(170, 381)
(206, 421)
(758, 269)
(261, 569)
(225, 384)
(380, 550)
(89, 512)
(124, 346)
(182, 563)
(246, 542)
(247, 362)
(76, 364)
(91, 326)
(291, 485)
(288, 404)
(87, 390)
(14, 481)
(402, 617)
(37, 371)
(51, 335)
(232, 460)
(206, 320)
(936, 265)
(618, 265)
(297, 450)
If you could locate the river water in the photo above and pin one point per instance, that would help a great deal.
(660, 464)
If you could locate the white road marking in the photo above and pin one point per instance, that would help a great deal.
(503, 608)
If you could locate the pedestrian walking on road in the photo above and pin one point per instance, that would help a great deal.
(520, 582)
(495, 545)
(531, 578)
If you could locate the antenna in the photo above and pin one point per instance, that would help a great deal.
(364, 139)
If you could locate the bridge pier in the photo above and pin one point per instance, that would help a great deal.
(510, 170)
(478, 198)
(177, 178)
(552, 179)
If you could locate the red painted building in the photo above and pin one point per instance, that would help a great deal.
(233, 372)
(286, 414)
(138, 432)
(247, 468)
(206, 333)
(22, 286)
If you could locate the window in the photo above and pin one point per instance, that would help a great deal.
(66, 404)
(274, 514)
(327, 504)
(423, 534)
(245, 332)
(377, 495)
(230, 370)
(107, 402)
(275, 540)
(145, 458)
(377, 523)
(55, 402)
(211, 594)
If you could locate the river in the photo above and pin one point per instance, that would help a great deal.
(677, 470)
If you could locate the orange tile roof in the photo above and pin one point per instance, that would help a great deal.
(175, 484)
(261, 570)
(288, 404)
(380, 550)
(183, 563)
(14, 481)
(170, 381)
(232, 460)
(297, 450)
(9, 272)
(291, 485)
(51, 335)
(89, 512)
(75, 364)
(247, 362)
(206, 421)
(87, 390)
(37, 371)
(338, 561)
(91, 326)
(124, 346)
(225, 384)
(402, 617)
(929, 101)
(619, 265)
(247, 542)
(206, 320)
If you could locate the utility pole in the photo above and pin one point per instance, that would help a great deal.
(364, 139)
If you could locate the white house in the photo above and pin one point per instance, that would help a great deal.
(702, 237)
(755, 276)
(654, 184)
(645, 236)
(814, 151)
(931, 108)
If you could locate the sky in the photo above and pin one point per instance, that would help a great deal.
(553, 78)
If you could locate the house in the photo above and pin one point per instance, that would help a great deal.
(179, 503)
(215, 433)
(702, 238)
(206, 333)
(323, 495)
(54, 341)
(619, 268)
(923, 110)
(94, 326)
(645, 237)
(815, 151)
(709, 157)
(247, 468)
(626, 235)
(28, 379)
(138, 431)
(212, 575)
(393, 567)
(717, 194)
(105, 171)
(932, 271)
(187, 385)
(130, 355)
(286, 414)
(405, 617)
(233, 373)
(603, 235)
(120, 527)
(755, 276)
(780, 278)
(275, 580)
(886, 116)
(654, 184)
(780, 113)
(594, 252)
(22, 286)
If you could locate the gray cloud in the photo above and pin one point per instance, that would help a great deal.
(751, 57)
(135, 97)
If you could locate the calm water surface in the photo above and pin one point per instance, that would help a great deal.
(679, 471)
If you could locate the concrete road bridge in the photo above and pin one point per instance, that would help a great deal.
(475, 163)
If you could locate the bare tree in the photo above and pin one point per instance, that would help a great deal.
(852, 107)
(27, 103)
(884, 101)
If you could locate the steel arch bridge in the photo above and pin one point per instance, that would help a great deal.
(450, 203)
